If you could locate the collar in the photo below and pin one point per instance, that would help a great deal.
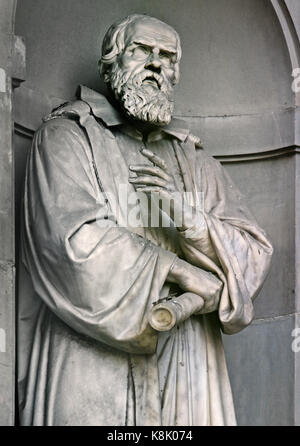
(102, 109)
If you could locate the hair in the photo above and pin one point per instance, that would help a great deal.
(114, 44)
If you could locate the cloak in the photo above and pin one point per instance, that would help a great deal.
(87, 355)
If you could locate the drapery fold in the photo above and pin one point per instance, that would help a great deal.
(87, 354)
(74, 260)
(236, 248)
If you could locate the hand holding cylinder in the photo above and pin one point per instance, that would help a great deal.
(165, 315)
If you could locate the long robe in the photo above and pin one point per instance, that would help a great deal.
(87, 355)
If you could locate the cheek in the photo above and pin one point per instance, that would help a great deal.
(124, 61)
(170, 73)
(127, 62)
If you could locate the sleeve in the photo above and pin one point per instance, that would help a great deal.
(229, 242)
(98, 278)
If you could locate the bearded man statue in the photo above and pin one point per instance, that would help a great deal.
(95, 344)
(145, 96)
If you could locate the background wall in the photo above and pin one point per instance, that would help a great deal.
(236, 92)
(11, 72)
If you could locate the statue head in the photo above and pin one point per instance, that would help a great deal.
(140, 64)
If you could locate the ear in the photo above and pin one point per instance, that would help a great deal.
(176, 73)
(106, 77)
(104, 71)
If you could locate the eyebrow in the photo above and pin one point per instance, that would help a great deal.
(141, 42)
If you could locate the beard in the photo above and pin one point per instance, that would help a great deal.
(145, 96)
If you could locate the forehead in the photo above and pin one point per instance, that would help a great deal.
(151, 33)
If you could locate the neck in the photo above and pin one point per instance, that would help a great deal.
(144, 127)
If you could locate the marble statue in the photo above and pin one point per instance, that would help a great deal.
(137, 252)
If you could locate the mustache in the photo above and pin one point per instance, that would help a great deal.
(120, 78)
(139, 78)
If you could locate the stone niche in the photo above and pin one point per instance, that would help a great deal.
(235, 90)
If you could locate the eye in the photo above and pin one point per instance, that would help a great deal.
(166, 57)
(141, 52)
(165, 54)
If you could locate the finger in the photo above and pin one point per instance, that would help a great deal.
(151, 170)
(148, 180)
(152, 189)
(154, 159)
(208, 307)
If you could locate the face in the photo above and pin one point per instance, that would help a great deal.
(149, 45)
(143, 76)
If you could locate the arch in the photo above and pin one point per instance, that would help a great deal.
(290, 33)
(289, 30)
(7, 16)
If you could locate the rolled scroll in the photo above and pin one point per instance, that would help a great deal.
(165, 315)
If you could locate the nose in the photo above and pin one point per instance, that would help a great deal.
(153, 63)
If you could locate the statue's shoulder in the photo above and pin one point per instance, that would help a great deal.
(63, 124)
(74, 110)
(70, 117)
